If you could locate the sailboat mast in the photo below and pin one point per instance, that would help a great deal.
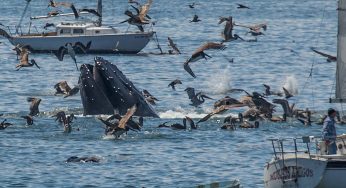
(99, 10)
(340, 89)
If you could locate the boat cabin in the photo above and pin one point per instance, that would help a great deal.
(83, 29)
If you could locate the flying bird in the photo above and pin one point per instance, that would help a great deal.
(140, 18)
(48, 25)
(24, 60)
(242, 6)
(199, 54)
(173, 46)
(149, 97)
(71, 50)
(195, 19)
(92, 11)
(62, 88)
(196, 98)
(64, 4)
(174, 82)
(330, 58)
(65, 120)
(34, 103)
(192, 5)
(287, 93)
(29, 119)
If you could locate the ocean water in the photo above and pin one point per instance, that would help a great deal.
(34, 156)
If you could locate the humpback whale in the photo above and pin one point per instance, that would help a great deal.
(105, 89)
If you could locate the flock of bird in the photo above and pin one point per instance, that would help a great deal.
(259, 108)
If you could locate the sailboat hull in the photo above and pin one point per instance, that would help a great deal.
(305, 172)
(129, 43)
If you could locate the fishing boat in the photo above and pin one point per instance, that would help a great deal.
(104, 39)
(300, 166)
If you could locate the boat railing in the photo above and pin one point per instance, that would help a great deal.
(284, 149)
(23, 30)
(296, 146)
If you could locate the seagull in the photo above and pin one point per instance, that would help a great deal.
(174, 82)
(330, 58)
(35, 102)
(24, 60)
(195, 19)
(173, 46)
(242, 6)
(71, 50)
(199, 54)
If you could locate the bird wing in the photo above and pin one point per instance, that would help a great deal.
(266, 86)
(188, 69)
(136, 9)
(69, 5)
(172, 45)
(210, 45)
(64, 87)
(73, 91)
(287, 93)
(323, 54)
(190, 92)
(106, 122)
(61, 53)
(227, 32)
(92, 11)
(24, 57)
(127, 116)
(80, 46)
(191, 122)
(144, 10)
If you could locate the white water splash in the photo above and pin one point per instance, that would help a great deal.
(179, 112)
(291, 84)
(219, 83)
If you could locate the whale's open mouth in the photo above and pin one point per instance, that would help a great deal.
(105, 89)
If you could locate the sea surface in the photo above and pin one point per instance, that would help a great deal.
(34, 156)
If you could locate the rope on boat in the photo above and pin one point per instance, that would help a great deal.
(310, 77)
(157, 43)
(22, 17)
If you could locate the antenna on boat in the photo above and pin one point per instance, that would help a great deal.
(99, 10)
(21, 18)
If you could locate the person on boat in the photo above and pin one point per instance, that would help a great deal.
(329, 131)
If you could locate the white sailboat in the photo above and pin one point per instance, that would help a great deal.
(302, 168)
(104, 39)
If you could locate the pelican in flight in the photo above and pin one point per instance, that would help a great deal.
(199, 54)
(24, 60)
